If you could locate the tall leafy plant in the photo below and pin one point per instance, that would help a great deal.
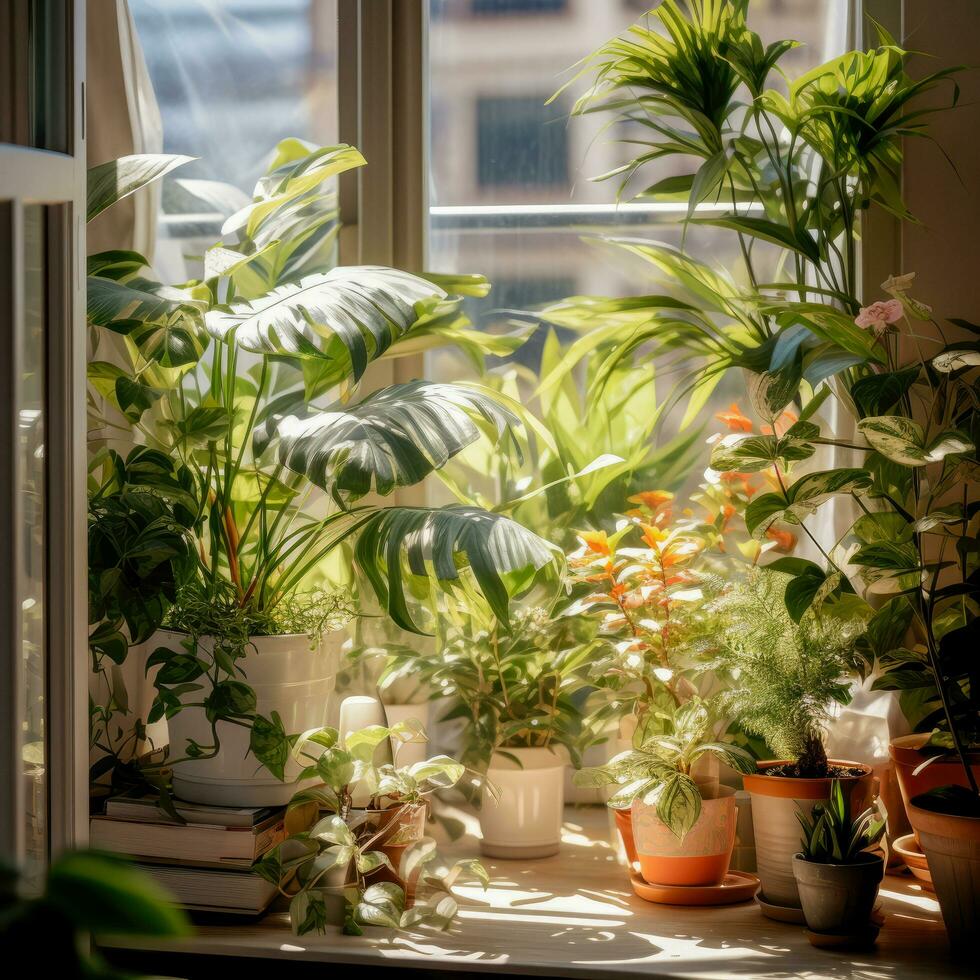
(248, 379)
(785, 164)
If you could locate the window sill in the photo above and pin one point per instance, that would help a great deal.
(573, 915)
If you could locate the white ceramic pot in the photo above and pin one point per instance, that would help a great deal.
(287, 677)
(594, 755)
(525, 821)
(408, 753)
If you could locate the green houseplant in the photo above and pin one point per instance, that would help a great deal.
(787, 676)
(837, 874)
(790, 173)
(517, 693)
(662, 810)
(246, 379)
(368, 865)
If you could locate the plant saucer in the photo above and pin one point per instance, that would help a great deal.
(736, 886)
(781, 913)
(907, 848)
(856, 940)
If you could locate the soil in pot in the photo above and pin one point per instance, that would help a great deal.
(776, 801)
(701, 857)
(838, 898)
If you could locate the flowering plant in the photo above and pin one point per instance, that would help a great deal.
(915, 541)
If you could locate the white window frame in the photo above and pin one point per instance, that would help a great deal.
(56, 180)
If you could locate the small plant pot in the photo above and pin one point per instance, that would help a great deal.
(525, 820)
(700, 858)
(952, 847)
(908, 752)
(776, 801)
(398, 827)
(838, 898)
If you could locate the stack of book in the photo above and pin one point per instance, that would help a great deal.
(205, 861)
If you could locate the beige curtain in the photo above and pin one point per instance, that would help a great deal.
(122, 119)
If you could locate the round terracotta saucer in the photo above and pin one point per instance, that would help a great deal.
(736, 886)
(907, 848)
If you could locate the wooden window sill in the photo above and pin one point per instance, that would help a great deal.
(574, 915)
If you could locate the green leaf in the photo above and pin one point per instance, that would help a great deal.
(351, 315)
(437, 545)
(803, 497)
(678, 803)
(769, 231)
(112, 181)
(902, 440)
(393, 438)
(107, 896)
(878, 393)
(269, 743)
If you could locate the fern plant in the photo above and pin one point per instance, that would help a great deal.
(830, 836)
(788, 674)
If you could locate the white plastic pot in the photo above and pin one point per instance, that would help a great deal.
(287, 677)
(408, 753)
(525, 820)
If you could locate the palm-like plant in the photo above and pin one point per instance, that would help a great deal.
(793, 171)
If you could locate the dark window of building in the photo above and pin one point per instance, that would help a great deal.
(518, 6)
(521, 141)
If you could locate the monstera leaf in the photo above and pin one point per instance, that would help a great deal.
(395, 437)
(353, 313)
(112, 181)
(409, 548)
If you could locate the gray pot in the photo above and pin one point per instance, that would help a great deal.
(838, 898)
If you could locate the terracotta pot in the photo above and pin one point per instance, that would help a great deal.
(399, 827)
(952, 848)
(525, 819)
(908, 754)
(624, 824)
(838, 898)
(776, 801)
(700, 858)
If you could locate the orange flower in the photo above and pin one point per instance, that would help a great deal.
(652, 499)
(734, 419)
(595, 541)
(785, 540)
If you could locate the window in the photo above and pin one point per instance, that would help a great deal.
(231, 80)
(509, 177)
(519, 143)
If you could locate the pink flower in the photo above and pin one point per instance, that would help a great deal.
(878, 315)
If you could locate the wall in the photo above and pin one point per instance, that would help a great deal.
(943, 250)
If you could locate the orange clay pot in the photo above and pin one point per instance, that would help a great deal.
(700, 858)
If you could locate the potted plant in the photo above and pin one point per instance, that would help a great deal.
(516, 691)
(246, 378)
(837, 873)
(789, 674)
(678, 830)
(369, 865)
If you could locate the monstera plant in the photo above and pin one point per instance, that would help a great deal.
(248, 384)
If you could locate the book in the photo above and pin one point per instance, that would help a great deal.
(200, 844)
(139, 806)
(213, 890)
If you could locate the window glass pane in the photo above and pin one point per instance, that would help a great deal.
(232, 78)
(35, 87)
(510, 189)
(33, 545)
